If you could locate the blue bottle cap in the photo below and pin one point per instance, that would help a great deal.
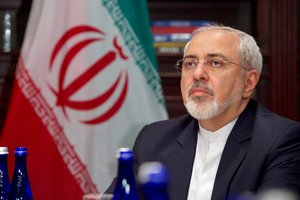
(20, 151)
(125, 153)
(3, 150)
(153, 172)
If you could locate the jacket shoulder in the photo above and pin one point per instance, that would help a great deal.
(158, 138)
(269, 120)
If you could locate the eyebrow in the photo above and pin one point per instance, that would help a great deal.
(191, 56)
(210, 55)
(216, 55)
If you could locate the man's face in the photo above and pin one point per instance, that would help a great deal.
(211, 89)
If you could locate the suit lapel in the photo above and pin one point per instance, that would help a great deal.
(235, 150)
(226, 171)
(180, 161)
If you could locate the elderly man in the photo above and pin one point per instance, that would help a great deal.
(228, 145)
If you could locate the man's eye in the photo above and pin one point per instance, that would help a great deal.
(190, 64)
(216, 63)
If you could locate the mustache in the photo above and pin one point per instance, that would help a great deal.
(202, 85)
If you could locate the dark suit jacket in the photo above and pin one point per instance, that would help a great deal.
(262, 151)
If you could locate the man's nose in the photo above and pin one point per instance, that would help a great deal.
(200, 72)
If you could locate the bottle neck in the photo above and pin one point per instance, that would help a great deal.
(125, 168)
(3, 161)
(3, 157)
(3, 169)
(20, 163)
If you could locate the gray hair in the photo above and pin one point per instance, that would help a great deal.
(249, 51)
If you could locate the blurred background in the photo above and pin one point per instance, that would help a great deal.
(274, 24)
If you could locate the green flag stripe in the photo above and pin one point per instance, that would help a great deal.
(135, 47)
(137, 15)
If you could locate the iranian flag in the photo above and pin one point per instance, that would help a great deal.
(86, 83)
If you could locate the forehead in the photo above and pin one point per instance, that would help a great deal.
(214, 42)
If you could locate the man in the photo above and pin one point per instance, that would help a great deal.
(228, 145)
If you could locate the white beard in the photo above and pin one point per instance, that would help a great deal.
(208, 107)
(202, 108)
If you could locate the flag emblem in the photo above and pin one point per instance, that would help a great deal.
(64, 93)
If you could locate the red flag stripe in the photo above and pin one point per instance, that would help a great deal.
(47, 116)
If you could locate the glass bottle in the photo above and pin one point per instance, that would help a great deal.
(8, 31)
(125, 188)
(20, 186)
(4, 177)
(153, 177)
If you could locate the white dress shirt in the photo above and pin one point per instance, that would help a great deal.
(209, 149)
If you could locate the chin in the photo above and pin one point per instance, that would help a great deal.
(202, 110)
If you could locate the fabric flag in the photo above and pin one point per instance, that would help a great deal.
(86, 83)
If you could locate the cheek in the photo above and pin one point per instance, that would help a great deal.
(220, 85)
(224, 88)
(184, 85)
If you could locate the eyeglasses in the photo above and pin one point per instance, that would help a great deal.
(189, 64)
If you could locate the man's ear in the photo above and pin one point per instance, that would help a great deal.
(250, 81)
